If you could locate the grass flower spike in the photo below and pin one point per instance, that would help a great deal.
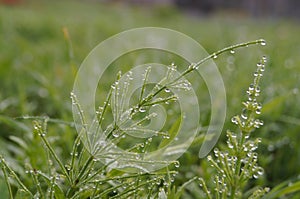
(237, 164)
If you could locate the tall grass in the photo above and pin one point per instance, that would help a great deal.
(35, 78)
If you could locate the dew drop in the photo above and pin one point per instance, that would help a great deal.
(267, 189)
(259, 64)
(264, 58)
(244, 114)
(142, 110)
(251, 87)
(137, 157)
(68, 167)
(215, 56)
(232, 51)
(116, 134)
(166, 137)
(192, 66)
(249, 154)
(258, 111)
(176, 164)
(216, 151)
(209, 158)
(263, 42)
(260, 171)
(261, 122)
(259, 105)
(167, 90)
(234, 120)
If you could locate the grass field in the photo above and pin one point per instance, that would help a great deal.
(38, 64)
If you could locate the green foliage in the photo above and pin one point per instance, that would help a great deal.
(37, 68)
(85, 176)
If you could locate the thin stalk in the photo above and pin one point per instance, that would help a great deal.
(75, 147)
(7, 183)
(228, 171)
(52, 152)
(215, 54)
(134, 188)
(82, 118)
(52, 185)
(51, 120)
(38, 184)
(217, 188)
(205, 189)
(194, 66)
(144, 84)
(109, 190)
(186, 184)
(236, 178)
(11, 172)
(84, 168)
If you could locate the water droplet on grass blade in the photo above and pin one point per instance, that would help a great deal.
(230, 145)
(259, 64)
(209, 158)
(216, 151)
(258, 111)
(234, 120)
(116, 134)
(244, 114)
(142, 110)
(176, 164)
(166, 137)
(251, 87)
(263, 42)
(264, 58)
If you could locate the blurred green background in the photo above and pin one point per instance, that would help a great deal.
(42, 44)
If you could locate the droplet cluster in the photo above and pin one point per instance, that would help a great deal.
(246, 121)
(239, 162)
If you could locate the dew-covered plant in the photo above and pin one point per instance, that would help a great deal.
(237, 163)
(89, 171)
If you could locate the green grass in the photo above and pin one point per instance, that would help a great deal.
(37, 70)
